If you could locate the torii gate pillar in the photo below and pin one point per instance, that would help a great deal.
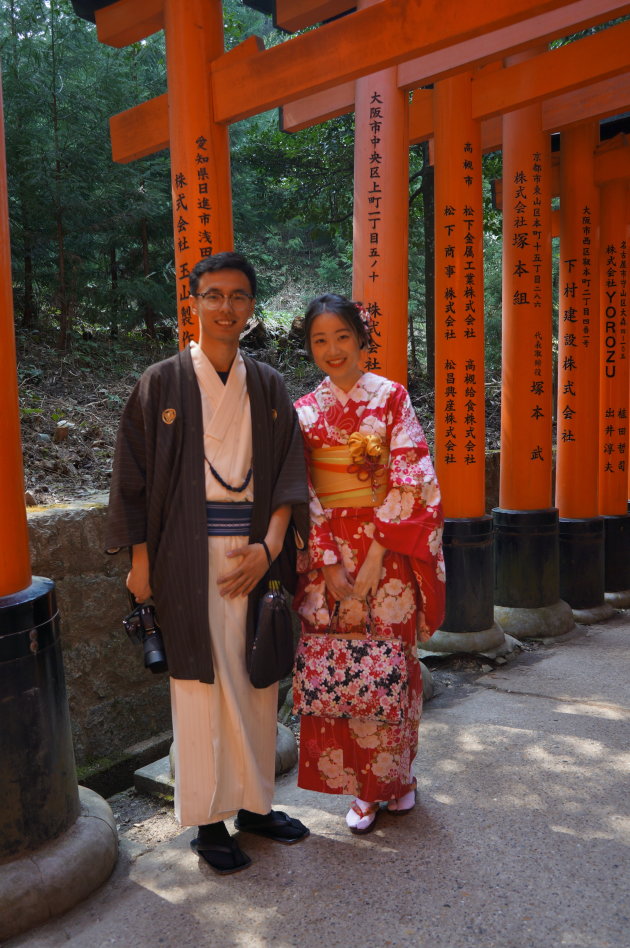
(526, 525)
(41, 803)
(614, 401)
(381, 211)
(469, 624)
(581, 530)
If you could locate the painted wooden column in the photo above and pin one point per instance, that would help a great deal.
(38, 785)
(459, 374)
(581, 529)
(381, 214)
(15, 561)
(613, 391)
(526, 525)
(200, 157)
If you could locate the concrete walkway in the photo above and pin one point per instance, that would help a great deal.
(520, 838)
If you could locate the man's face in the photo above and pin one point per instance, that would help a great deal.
(225, 308)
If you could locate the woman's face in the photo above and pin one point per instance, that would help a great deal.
(336, 350)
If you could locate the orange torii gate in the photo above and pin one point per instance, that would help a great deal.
(142, 129)
(522, 587)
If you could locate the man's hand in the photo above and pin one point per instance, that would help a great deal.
(369, 575)
(245, 577)
(138, 576)
(338, 581)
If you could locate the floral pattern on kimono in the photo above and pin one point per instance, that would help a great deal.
(369, 759)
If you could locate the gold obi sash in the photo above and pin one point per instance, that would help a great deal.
(345, 476)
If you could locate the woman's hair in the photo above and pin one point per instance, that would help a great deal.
(339, 306)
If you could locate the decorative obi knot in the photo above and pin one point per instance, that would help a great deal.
(352, 474)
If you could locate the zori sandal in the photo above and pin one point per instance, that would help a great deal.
(361, 817)
(406, 803)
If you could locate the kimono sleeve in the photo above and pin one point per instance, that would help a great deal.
(410, 519)
(127, 511)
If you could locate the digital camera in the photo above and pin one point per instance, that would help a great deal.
(141, 626)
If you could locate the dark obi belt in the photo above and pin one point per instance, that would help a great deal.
(227, 519)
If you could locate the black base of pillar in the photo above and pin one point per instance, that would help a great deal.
(617, 553)
(526, 558)
(527, 582)
(469, 566)
(469, 624)
(581, 550)
(38, 785)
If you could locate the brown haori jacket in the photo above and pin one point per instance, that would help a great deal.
(157, 496)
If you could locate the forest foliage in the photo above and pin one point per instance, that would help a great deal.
(92, 240)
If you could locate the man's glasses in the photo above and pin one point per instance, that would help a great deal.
(215, 300)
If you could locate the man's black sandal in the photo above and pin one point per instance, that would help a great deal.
(224, 859)
(275, 825)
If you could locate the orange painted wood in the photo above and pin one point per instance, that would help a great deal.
(614, 377)
(200, 157)
(129, 21)
(526, 393)
(316, 108)
(459, 308)
(612, 160)
(544, 77)
(385, 34)
(596, 101)
(381, 202)
(495, 43)
(140, 131)
(595, 57)
(293, 15)
(144, 129)
(15, 562)
(578, 326)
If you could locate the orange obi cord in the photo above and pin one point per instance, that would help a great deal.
(342, 480)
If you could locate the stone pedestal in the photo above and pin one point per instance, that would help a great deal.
(42, 816)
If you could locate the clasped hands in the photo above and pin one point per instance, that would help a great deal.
(342, 585)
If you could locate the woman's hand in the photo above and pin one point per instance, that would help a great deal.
(339, 582)
(138, 576)
(245, 577)
(369, 576)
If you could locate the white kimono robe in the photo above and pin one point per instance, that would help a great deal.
(225, 733)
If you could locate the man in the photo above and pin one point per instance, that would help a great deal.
(208, 472)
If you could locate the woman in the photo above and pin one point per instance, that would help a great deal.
(375, 541)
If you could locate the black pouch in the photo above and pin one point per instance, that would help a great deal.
(274, 645)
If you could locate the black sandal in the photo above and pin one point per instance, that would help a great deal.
(224, 859)
(274, 825)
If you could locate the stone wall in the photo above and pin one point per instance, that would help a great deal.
(114, 703)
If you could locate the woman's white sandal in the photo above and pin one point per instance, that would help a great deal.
(406, 803)
(367, 813)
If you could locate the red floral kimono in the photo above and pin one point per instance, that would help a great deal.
(368, 759)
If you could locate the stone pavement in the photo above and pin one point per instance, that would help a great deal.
(520, 838)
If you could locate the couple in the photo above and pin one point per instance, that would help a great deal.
(209, 488)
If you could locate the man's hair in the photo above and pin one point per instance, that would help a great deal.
(222, 261)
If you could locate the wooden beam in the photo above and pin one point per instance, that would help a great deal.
(143, 129)
(612, 160)
(313, 109)
(129, 21)
(140, 131)
(597, 101)
(496, 43)
(386, 33)
(293, 15)
(595, 57)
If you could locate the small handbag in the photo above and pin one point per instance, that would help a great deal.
(274, 644)
(351, 675)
